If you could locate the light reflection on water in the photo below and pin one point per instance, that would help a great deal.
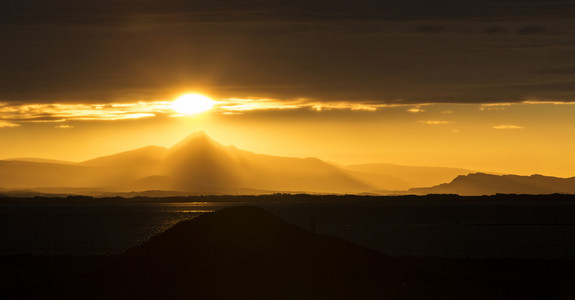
(87, 228)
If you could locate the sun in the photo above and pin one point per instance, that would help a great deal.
(192, 104)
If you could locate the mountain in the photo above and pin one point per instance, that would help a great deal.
(486, 184)
(128, 166)
(411, 176)
(199, 160)
(27, 174)
(197, 165)
(41, 160)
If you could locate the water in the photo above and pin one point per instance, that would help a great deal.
(470, 230)
(82, 229)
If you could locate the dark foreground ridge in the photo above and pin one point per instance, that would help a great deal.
(248, 253)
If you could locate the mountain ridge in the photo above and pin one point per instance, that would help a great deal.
(223, 254)
(477, 184)
(199, 165)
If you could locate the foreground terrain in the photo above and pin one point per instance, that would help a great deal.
(246, 252)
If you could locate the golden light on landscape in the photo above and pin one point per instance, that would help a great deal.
(192, 104)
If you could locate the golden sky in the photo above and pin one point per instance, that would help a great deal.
(484, 85)
(521, 138)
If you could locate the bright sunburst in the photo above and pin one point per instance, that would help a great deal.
(192, 104)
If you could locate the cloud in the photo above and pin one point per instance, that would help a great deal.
(535, 30)
(430, 29)
(562, 70)
(495, 30)
(64, 126)
(79, 52)
(6, 124)
(503, 127)
(551, 87)
(65, 12)
(235, 105)
(548, 102)
(415, 110)
(60, 114)
(12, 115)
(435, 122)
(57, 113)
(494, 106)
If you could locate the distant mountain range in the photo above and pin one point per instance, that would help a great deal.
(410, 176)
(199, 165)
(486, 184)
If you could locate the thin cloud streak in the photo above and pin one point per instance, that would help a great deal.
(14, 115)
(236, 105)
(57, 113)
(435, 122)
(504, 127)
(494, 106)
(5, 124)
(549, 102)
(415, 110)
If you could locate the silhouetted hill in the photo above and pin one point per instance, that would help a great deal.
(486, 184)
(246, 252)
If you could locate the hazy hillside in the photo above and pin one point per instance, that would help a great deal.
(199, 160)
(24, 174)
(200, 165)
(42, 160)
(412, 176)
(485, 184)
(197, 164)
(129, 166)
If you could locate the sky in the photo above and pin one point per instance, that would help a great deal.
(484, 85)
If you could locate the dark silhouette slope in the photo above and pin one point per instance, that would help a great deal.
(486, 184)
(246, 252)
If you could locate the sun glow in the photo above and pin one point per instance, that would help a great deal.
(192, 104)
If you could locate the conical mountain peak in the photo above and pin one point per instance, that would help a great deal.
(198, 136)
(197, 139)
